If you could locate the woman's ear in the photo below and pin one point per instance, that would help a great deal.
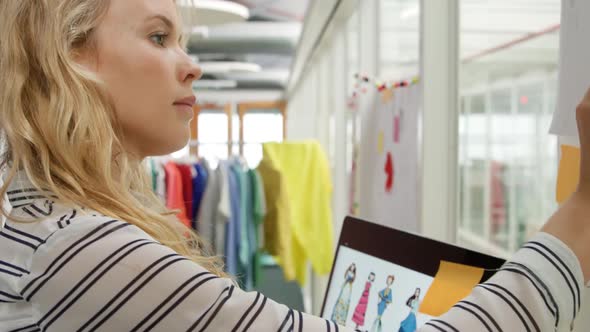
(87, 57)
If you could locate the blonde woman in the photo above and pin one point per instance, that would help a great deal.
(90, 88)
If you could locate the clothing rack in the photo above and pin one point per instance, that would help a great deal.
(282, 208)
(224, 204)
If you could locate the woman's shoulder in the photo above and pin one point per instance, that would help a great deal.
(33, 225)
(56, 229)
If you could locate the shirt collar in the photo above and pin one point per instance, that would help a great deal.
(22, 192)
(5, 207)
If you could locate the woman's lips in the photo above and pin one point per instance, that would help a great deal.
(188, 101)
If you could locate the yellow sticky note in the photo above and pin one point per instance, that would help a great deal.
(569, 172)
(380, 142)
(452, 283)
(386, 96)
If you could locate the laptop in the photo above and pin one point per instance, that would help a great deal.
(388, 280)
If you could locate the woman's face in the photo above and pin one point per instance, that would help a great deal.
(147, 73)
(390, 281)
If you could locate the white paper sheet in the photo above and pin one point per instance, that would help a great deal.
(574, 72)
(396, 206)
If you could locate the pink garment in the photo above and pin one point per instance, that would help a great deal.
(396, 128)
(361, 308)
(352, 204)
(175, 197)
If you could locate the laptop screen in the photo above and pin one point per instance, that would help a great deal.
(388, 280)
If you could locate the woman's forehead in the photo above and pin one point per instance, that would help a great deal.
(137, 11)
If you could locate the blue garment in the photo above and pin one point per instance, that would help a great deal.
(232, 231)
(385, 299)
(199, 185)
(245, 218)
(409, 324)
(245, 208)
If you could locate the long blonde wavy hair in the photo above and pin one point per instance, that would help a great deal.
(60, 127)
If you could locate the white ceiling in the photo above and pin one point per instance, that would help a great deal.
(282, 10)
(269, 39)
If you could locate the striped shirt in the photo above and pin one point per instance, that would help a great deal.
(76, 270)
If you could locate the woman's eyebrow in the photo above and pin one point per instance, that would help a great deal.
(164, 19)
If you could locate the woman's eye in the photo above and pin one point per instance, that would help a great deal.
(159, 39)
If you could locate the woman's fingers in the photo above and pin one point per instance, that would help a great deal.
(583, 120)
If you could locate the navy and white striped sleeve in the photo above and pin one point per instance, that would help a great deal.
(111, 276)
(538, 290)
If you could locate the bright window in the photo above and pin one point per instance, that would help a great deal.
(507, 159)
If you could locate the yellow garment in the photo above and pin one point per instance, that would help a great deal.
(277, 228)
(306, 173)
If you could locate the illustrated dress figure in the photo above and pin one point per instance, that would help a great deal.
(361, 308)
(385, 299)
(340, 313)
(409, 324)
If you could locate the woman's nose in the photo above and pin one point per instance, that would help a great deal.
(192, 71)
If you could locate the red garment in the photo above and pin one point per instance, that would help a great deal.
(187, 189)
(390, 171)
(175, 199)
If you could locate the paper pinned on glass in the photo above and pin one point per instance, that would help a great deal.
(574, 63)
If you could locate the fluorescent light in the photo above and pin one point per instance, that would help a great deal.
(224, 67)
(200, 31)
(215, 84)
(214, 12)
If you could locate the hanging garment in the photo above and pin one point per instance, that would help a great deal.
(153, 173)
(224, 209)
(208, 212)
(277, 221)
(160, 174)
(232, 231)
(259, 212)
(244, 218)
(352, 194)
(390, 172)
(199, 186)
(260, 201)
(187, 189)
(309, 190)
(174, 198)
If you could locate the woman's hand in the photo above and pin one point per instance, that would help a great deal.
(571, 223)
(583, 120)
